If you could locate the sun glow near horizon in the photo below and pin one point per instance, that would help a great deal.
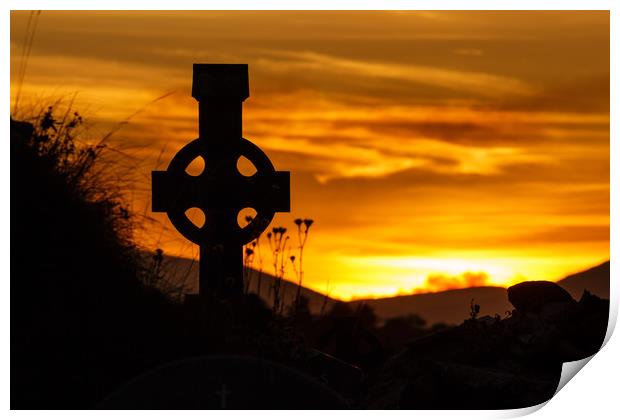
(379, 276)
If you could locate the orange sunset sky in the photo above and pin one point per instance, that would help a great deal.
(433, 149)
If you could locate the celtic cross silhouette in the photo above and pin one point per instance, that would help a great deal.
(220, 191)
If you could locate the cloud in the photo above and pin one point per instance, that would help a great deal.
(476, 52)
(479, 83)
(440, 282)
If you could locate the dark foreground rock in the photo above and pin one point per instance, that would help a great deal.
(531, 296)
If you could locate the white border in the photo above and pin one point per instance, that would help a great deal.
(592, 394)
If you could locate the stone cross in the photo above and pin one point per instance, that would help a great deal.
(220, 191)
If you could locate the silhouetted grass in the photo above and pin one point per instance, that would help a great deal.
(87, 308)
(302, 237)
(85, 314)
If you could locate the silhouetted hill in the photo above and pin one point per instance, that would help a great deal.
(449, 307)
(452, 306)
(76, 331)
(596, 280)
(185, 271)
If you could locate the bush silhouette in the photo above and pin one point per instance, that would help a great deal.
(81, 318)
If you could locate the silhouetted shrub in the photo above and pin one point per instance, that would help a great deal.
(82, 320)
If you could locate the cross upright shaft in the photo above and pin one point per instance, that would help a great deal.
(220, 91)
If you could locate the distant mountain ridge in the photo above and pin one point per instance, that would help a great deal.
(185, 271)
(596, 280)
(450, 306)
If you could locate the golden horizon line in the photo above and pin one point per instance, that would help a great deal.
(417, 291)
